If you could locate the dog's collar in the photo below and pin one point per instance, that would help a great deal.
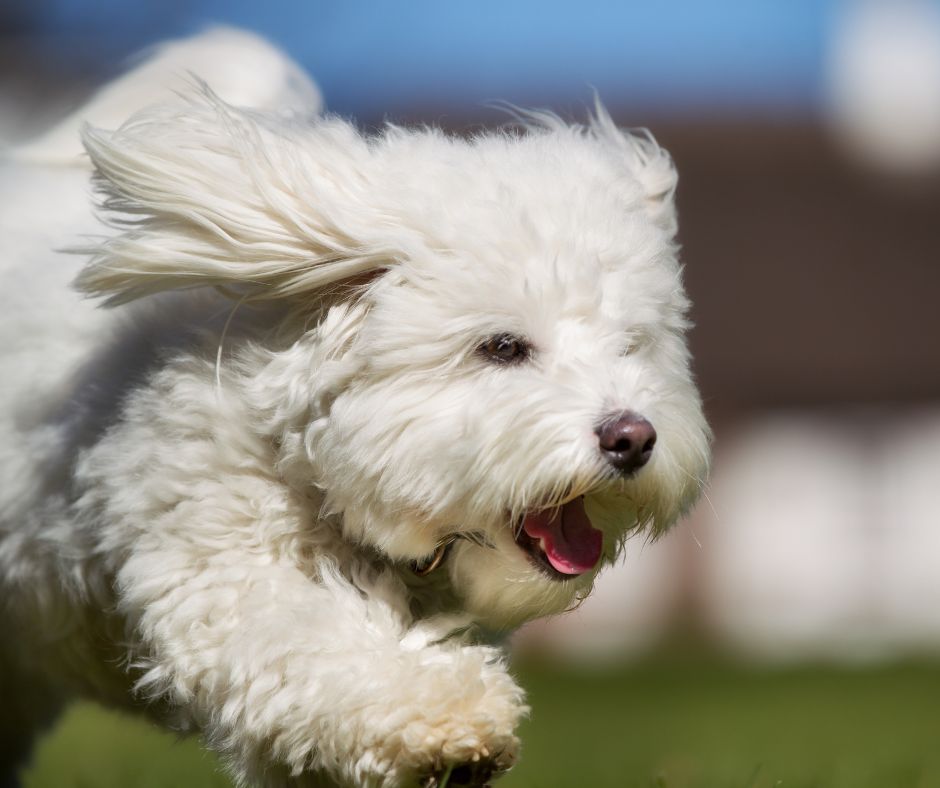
(424, 566)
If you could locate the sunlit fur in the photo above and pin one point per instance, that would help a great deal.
(213, 493)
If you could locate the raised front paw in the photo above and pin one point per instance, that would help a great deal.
(477, 773)
(469, 748)
(451, 722)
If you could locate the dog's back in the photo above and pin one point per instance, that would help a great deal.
(65, 365)
(49, 334)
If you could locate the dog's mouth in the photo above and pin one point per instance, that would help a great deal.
(561, 541)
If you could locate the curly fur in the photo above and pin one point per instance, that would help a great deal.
(212, 494)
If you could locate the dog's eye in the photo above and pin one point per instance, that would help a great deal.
(505, 349)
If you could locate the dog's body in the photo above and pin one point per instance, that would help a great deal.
(379, 393)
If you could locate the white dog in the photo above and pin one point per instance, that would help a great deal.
(360, 399)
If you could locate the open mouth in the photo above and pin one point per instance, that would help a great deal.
(561, 542)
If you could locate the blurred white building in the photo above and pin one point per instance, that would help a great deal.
(828, 542)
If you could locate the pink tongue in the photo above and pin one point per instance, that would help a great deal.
(572, 545)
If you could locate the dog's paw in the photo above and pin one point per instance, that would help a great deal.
(466, 750)
(471, 756)
(450, 720)
(471, 774)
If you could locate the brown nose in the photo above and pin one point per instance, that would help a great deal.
(626, 440)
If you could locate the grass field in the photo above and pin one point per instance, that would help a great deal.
(666, 724)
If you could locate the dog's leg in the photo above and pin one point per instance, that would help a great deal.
(260, 625)
(26, 707)
(290, 671)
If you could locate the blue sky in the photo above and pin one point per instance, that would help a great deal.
(673, 55)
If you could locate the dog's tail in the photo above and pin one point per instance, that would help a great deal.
(241, 68)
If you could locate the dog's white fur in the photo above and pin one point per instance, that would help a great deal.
(211, 497)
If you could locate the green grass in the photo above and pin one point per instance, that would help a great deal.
(672, 724)
(686, 725)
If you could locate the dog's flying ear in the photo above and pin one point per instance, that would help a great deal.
(205, 194)
(650, 164)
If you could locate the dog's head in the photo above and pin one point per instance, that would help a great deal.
(498, 365)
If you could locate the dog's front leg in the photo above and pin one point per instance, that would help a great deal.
(304, 675)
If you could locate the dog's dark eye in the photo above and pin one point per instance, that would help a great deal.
(505, 349)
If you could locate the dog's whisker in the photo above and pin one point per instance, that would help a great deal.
(221, 344)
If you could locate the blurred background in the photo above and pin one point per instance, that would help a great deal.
(807, 137)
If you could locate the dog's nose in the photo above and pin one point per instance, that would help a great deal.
(626, 441)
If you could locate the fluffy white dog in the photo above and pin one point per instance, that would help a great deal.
(360, 399)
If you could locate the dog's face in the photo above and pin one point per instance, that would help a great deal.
(522, 382)
(512, 380)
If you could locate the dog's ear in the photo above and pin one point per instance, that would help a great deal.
(650, 164)
(210, 195)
